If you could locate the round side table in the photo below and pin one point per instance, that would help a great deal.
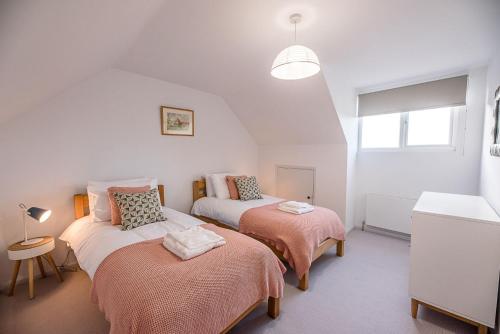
(39, 250)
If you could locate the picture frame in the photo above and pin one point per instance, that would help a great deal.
(495, 147)
(177, 121)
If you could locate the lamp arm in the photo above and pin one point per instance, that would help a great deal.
(25, 227)
(23, 212)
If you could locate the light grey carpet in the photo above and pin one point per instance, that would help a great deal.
(366, 291)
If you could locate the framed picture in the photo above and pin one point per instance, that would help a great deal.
(495, 147)
(177, 121)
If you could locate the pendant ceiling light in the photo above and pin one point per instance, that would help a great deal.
(296, 61)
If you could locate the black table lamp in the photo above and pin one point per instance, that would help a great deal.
(40, 215)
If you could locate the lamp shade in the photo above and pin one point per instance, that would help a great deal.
(295, 62)
(39, 214)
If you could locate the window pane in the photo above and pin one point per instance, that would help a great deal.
(429, 127)
(381, 131)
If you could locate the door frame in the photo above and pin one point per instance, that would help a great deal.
(313, 169)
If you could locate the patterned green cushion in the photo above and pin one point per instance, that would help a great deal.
(248, 188)
(137, 209)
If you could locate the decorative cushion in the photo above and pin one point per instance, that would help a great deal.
(248, 188)
(139, 209)
(231, 186)
(116, 218)
(99, 206)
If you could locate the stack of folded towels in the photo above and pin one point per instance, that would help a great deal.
(192, 242)
(297, 208)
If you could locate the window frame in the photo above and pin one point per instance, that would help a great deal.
(403, 135)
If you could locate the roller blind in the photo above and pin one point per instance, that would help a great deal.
(433, 94)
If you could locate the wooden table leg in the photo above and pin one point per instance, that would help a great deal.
(273, 307)
(340, 247)
(482, 329)
(304, 282)
(31, 279)
(414, 308)
(40, 266)
(17, 265)
(54, 267)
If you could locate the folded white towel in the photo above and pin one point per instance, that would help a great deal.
(286, 207)
(192, 242)
(296, 205)
(296, 211)
(195, 237)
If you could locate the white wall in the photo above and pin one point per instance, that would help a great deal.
(108, 127)
(407, 174)
(329, 161)
(490, 167)
(343, 94)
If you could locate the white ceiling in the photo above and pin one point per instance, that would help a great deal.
(227, 46)
(47, 46)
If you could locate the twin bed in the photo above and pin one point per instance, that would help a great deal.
(143, 288)
(296, 239)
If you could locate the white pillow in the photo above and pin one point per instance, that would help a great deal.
(208, 186)
(98, 195)
(220, 185)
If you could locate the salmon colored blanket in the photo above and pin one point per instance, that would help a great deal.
(144, 288)
(297, 236)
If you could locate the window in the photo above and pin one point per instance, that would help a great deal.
(381, 131)
(429, 127)
(409, 130)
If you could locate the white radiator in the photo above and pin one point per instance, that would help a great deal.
(389, 212)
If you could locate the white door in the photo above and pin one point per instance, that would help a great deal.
(295, 183)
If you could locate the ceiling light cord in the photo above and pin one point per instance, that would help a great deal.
(295, 33)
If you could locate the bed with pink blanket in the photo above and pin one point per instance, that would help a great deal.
(143, 288)
(297, 239)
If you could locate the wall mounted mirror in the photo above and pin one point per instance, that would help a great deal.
(495, 147)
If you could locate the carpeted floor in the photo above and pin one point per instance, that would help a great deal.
(366, 291)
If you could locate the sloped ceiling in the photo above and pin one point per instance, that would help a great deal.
(227, 46)
(47, 46)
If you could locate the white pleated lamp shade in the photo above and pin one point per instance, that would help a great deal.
(295, 62)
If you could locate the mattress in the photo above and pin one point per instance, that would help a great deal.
(93, 242)
(228, 211)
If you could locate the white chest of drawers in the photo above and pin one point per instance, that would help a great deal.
(455, 257)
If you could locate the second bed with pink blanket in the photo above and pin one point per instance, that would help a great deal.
(295, 236)
(297, 239)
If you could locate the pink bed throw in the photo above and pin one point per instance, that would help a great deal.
(297, 236)
(143, 288)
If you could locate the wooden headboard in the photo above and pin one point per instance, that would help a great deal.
(81, 202)
(199, 189)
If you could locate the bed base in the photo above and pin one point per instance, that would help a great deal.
(322, 248)
(273, 310)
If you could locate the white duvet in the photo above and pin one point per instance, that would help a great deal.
(93, 242)
(228, 211)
